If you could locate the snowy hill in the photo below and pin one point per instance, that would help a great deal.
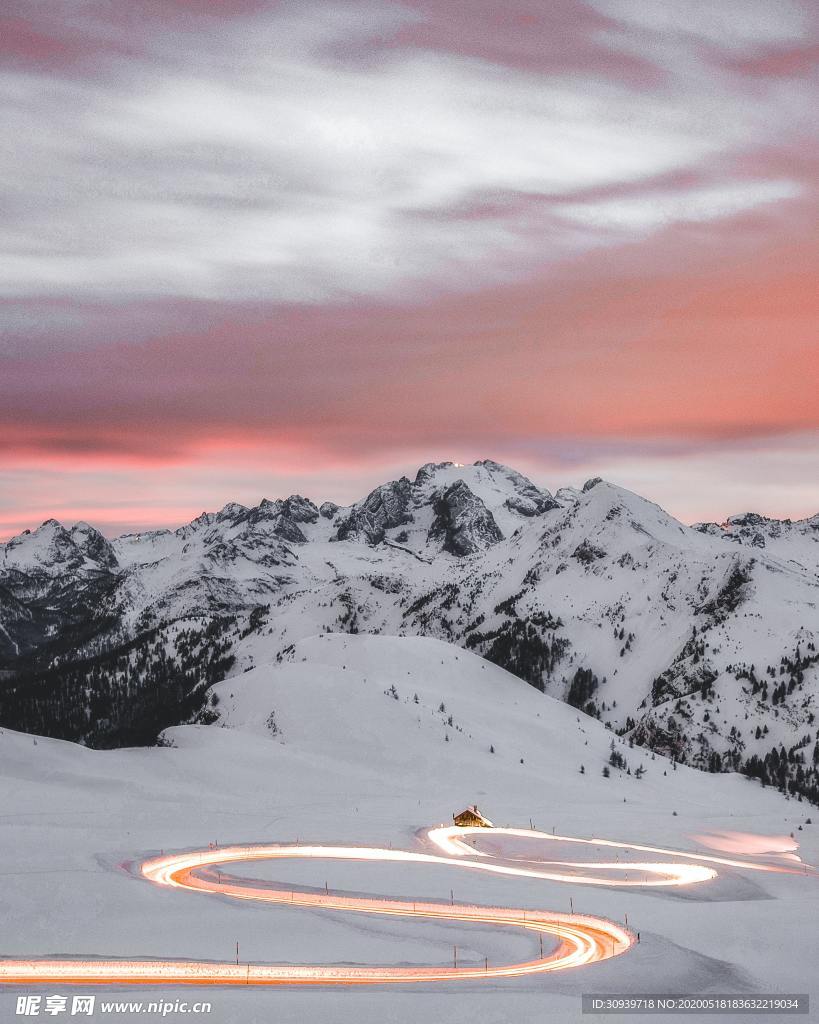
(401, 701)
(330, 746)
(698, 642)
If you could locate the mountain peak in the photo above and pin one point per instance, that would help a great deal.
(50, 525)
(463, 522)
(429, 469)
(387, 506)
(49, 550)
(233, 510)
(589, 484)
(93, 545)
(597, 588)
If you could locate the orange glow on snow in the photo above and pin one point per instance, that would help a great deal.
(580, 939)
(747, 843)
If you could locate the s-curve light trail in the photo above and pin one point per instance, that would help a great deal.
(579, 939)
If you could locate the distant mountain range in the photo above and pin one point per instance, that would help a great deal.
(699, 642)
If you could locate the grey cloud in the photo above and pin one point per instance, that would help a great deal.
(242, 160)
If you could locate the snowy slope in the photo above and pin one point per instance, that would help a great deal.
(348, 762)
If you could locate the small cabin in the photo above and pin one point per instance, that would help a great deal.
(471, 818)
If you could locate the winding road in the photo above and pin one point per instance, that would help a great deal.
(577, 939)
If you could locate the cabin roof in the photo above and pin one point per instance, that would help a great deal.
(474, 814)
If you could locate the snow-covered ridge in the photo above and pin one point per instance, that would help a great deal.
(699, 641)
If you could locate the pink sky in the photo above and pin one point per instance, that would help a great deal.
(253, 248)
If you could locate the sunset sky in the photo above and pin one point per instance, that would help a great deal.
(249, 248)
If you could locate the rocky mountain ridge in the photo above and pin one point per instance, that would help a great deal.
(697, 641)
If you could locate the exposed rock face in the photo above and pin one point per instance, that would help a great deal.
(52, 580)
(283, 519)
(200, 523)
(93, 545)
(534, 504)
(586, 552)
(286, 529)
(387, 506)
(753, 530)
(567, 495)
(710, 529)
(231, 513)
(428, 470)
(526, 499)
(328, 509)
(463, 522)
(300, 510)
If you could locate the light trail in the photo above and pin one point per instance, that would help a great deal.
(449, 839)
(580, 939)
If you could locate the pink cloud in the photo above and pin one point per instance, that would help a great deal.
(671, 339)
(354, 236)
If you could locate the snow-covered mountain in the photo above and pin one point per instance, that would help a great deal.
(696, 641)
(368, 741)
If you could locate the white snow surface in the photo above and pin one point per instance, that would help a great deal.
(330, 745)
